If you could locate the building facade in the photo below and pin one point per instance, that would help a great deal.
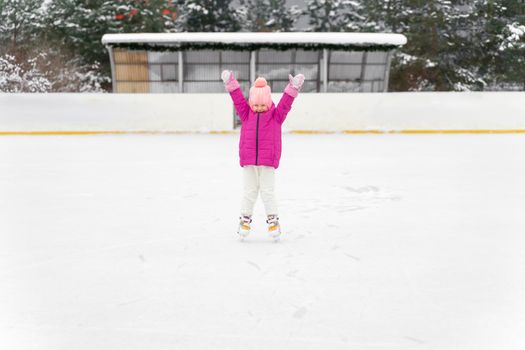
(192, 62)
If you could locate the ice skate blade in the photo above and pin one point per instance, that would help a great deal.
(243, 234)
(275, 237)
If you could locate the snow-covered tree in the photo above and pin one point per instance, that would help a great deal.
(79, 25)
(69, 73)
(436, 46)
(15, 77)
(19, 22)
(282, 18)
(253, 15)
(386, 16)
(152, 16)
(206, 16)
(335, 15)
(496, 44)
(267, 15)
(80, 78)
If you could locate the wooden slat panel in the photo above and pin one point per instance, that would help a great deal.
(132, 87)
(134, 72)
(125, 56)
(131, 71)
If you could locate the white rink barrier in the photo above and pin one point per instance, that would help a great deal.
(76, 112)
(407, 112)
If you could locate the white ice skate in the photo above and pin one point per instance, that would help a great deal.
(244, 225)
(274, 228)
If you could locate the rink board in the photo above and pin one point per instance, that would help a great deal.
(424, 112)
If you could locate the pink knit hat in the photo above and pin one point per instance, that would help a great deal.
(260, 93)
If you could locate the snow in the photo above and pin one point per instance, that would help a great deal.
(390, 242)
(514, 33)
(248, 37)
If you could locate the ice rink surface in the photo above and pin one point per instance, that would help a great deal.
(390, 242)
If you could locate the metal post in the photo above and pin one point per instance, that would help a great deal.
(252, 66)
(181, 72)
(112, 64)
(319, 68)
(294, 60)
(325, 70)
(387, 71)
(363, 70)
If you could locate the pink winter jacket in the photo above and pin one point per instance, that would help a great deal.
(260, 141)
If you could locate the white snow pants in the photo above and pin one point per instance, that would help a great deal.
(258, 178)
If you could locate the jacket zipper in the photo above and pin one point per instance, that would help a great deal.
(257, 139)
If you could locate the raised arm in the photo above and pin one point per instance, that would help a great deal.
(232, 86)
(290, 93)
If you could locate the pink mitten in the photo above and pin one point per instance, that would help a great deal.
(294, 85)
(230, 83)
(296, 81)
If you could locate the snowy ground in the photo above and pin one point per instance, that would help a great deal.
(391, 242)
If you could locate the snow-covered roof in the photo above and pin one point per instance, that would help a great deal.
(330, 38)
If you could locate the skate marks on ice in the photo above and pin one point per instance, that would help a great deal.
(300, 312)
(80, 254)
(251, 263)
(342, 199)
(337, 247)
(363, 189)
(352, 257)
(292, 237)
(363, 197)
(415, 340)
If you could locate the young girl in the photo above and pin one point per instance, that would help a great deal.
(260, 144)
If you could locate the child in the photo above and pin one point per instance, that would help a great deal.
(260, 144)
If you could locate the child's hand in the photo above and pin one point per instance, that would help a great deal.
(229, 80)
(297, 81)
(226, 75)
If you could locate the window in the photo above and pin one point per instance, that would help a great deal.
(202, 69)
(356, 71)
(275, 66)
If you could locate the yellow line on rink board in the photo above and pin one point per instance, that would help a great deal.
(451, 131)
(101, 132)
(226, 132)
(494, 131)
